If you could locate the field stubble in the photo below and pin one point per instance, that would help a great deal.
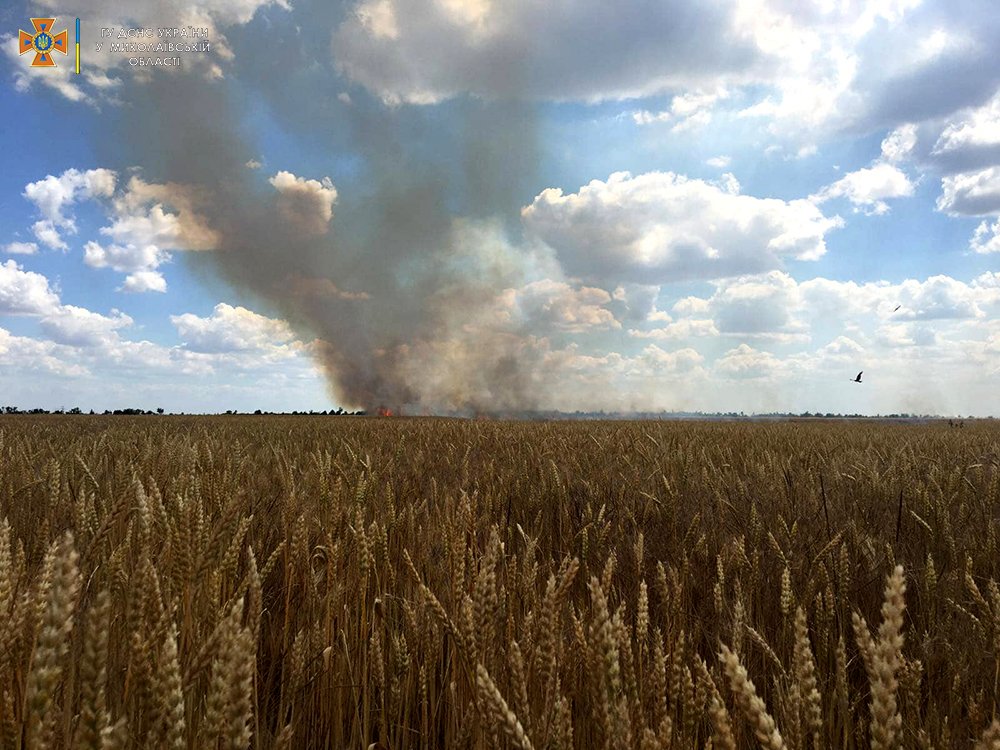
(347, 582)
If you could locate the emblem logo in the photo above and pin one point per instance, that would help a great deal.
(43, 42)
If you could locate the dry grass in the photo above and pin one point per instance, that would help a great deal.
(276, 582)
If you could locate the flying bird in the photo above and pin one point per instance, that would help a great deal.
(857, 379)
(896, 308)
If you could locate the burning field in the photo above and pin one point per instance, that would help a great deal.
(304, 582)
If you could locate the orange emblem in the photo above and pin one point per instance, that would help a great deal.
(43, 42)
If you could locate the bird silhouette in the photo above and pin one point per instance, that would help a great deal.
(896, 308)
(857, 379)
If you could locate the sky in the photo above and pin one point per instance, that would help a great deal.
(481, 206)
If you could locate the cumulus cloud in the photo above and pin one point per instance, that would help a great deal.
(146, 222)
(687, 111)
(25, 292)
(426, 52)
(305, 204)
(868, 188)
(77, 326)
(812, 67)
(756, 306)
(746, 362)
(858, 322)
(21, 248)
(89, 347)
(232, 329)
(556, 305)
(971, 193)
(843, 346)
(899, 144)
(986, 238)
(20, 354)
(29, 293)
(54, 196)
(122, 258)
(973, 130)
(660, 227)
(165, 215)
(678, 331)
(934, 298)
(144, 281)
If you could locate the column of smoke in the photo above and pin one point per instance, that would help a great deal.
(393, 288)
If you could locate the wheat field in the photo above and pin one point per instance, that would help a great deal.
(270, 582)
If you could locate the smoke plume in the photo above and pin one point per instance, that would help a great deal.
(393, 273)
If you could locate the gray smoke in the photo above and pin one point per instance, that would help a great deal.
(423, 238)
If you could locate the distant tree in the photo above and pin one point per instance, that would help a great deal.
(159, 410)
(256, 411)
(76, 410)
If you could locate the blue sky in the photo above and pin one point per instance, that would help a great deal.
(473, 205)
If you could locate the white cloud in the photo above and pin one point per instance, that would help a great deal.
(556, 305)
(77, 326)
(986, 238)
(165, 215)
(755, 305)
(232, 329)
(974, 129)
(645, 117)
(25, 292)
(687, 111)
(814, 67)
(868, 188)
(21, 248)
(719, 162)
(899, 144)
(660, 227)
(691, 306)
(147, 221)
(124, 259)
(678, 331)
(144, 281)
(746, 362)
(426, 52)
(21, 354)
(234, 343)
(773, 309)
(306, 204)
(53, 196)
(843, 346)
(29, 293)
(681, 360)
(971, 193)
(46, 233)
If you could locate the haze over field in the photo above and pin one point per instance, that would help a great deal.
(477, 205)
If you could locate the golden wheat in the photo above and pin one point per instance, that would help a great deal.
(243, 582)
